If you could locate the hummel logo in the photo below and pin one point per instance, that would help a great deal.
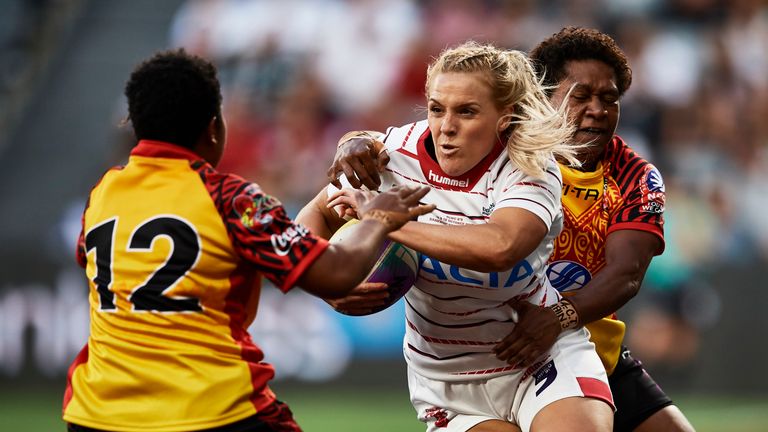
(446, 180)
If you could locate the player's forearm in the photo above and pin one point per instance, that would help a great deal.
(345, 264)
(476, 247)
(606, 293)
(628, 254)
(318, 218)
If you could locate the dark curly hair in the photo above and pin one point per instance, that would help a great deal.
(172, 97)
(577, 43)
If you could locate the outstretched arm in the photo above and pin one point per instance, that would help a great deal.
(343, 265)
(510, 235)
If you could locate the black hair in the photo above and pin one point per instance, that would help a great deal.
(577, 43)
(172, 97)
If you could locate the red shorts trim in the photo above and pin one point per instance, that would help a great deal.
(597, 389)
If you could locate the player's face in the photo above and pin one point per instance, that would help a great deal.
(593, 105)
(463, 120)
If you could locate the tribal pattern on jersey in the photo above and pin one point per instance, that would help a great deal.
(174, 252)
(624, 192)
(455, 315)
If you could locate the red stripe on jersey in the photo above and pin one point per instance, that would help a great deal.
(405, 141)
(455, 283)
(82, 358)
(488, 371)
(472, 312)
(434, 357)
(246, 288)
(594, 388)
(453, 326)
(533, 185)
(532, 201)
(559, 180)
(432, 339)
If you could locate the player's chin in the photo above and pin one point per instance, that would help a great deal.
(592, 140)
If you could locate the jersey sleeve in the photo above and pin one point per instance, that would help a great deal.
(262, 233)
(540, 196)
(80, 252)
(644, 199)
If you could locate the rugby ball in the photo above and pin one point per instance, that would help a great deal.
(396, 266)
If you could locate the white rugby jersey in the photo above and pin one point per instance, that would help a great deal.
(455, 316)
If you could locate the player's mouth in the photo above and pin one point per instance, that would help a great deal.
(591, 131)
(448, 149)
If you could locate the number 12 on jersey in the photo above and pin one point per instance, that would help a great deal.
(149, 296)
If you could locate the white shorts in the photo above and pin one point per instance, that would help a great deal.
(571, 368)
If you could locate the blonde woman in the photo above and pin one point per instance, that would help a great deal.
(487, 149)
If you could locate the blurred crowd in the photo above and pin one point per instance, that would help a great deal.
(299, 73)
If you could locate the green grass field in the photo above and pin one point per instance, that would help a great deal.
(325, 409)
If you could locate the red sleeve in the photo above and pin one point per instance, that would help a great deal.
(80, 254)
(642, 189)
(260, 230)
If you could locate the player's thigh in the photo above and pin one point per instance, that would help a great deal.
(495, 426)
(668, 419)
(589, 414)
(572, 373)
(641, 404)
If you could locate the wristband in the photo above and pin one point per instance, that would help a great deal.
(566, 314)
(382, 216)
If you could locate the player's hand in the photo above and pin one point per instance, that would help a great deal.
(393, 208)
(360, 159)
(362, 300)
(534, 334)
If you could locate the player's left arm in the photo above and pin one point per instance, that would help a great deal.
(628, 254)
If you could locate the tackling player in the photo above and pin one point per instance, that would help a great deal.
(613, 207)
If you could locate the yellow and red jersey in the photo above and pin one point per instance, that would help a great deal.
(624, 192)
(174, 252)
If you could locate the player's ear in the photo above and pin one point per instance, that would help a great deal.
(505, 122)
(212, 131)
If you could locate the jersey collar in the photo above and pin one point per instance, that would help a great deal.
(161, 149)
(438, 178)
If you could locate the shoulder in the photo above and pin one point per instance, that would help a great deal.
(399, 136)
(230, 192)
(629, 169)
(550, 176)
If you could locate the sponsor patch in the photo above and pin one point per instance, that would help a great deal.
(568, 275)
(282, 242)
(653, 192)
(254, 207)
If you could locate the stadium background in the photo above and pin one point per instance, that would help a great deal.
(296, 74)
